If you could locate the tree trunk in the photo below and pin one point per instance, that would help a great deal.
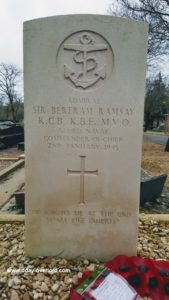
(147, 121)
(12, 108)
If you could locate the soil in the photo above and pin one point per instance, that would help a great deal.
(5, 164)
(155, 161)
(14, 153)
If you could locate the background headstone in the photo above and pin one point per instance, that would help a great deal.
(152, 188)
(84, 95)
(10, 134)
(167, 146)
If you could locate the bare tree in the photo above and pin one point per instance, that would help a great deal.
(156, 100)
(154, 12)
(10, 81)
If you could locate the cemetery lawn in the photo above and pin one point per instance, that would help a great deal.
(154, 160)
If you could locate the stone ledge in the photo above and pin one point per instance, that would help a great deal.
(9, 158)
(11, 168)
(156, 133)
(12, 218)
(155, 217)
(142, 217)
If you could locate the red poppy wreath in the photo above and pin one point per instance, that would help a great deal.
(149, 278)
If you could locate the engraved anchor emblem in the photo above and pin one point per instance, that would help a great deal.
(85, 77)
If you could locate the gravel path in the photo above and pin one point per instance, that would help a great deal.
(153, 242)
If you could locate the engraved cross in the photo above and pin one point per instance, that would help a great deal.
(82, 172)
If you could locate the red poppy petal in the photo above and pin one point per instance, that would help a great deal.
(74, 295)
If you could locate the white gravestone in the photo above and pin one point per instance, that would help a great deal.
(84, 100)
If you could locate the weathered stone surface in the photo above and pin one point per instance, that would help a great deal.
(84, 94)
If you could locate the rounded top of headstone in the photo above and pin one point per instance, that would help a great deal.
(74, 17)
